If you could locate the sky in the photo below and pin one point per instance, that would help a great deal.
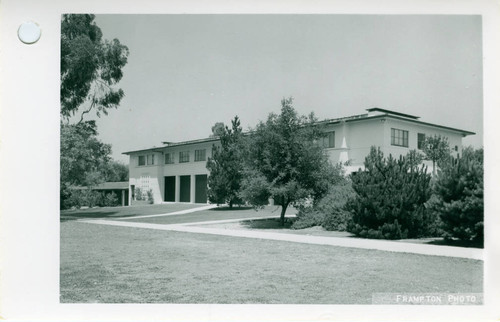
(187, 72)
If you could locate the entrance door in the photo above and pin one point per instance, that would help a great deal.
(170, 188)
(201, 189)
(185, 190)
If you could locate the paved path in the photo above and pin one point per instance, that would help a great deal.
(384, 245)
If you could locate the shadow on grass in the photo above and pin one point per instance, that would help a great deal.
(269, 223)
(95, 214)
(457, 243)
(235, 208)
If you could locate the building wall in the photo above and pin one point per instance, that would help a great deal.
(360, 136)
(454, 138)
(146, 177)
(353, 141)
(152, 177)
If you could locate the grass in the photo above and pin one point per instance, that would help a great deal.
(108, 264)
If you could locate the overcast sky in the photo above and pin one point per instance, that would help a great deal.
(186, 72)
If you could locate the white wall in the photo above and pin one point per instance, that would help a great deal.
(359, 137)
(362, 135)
(153, 176)
(454, 138)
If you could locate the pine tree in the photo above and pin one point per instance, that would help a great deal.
(459, 196)
(225, 166)
(390, 198)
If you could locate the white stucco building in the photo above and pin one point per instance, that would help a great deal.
(176, 172)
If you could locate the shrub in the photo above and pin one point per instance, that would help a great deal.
(111, 200)
(338, 219)
(83, 198)
(329, 211)
(390, 198)
(138, 194)
(150, 197)
(308, 217)
(459, 196)
(94, 198)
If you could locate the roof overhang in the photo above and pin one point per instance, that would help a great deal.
(463, 132)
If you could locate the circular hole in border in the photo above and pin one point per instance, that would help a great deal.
(29, 32)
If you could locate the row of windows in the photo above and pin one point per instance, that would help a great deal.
(400, 138)
(149, 159)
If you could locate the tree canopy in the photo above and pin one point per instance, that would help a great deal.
(437, 149)
(81, 154)
(283, 163)
(225, 166)
(459, 196)
(218, 129)
(90, 67)
(390, 198)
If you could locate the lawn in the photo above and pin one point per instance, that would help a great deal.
(108, 264)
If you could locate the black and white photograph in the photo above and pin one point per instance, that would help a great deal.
(216, 161)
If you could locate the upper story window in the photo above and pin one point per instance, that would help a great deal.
(142, 160)
(183, 156)
(200, 155)
(399, 137)
(328, 141)
(420, 141)
(150, 159)
(169, 158)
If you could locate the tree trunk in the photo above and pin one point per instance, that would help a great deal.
(283, 210)
(230, 204)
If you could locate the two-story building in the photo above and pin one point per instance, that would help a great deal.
(176, 172)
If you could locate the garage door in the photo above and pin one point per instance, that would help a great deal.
(170, 188)
(201, 189)
(185, 190)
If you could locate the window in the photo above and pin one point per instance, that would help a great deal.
(399, 137)
(169, 158)
(151, 159)
(183, 156)
(420, 141)
(200, 155)
(142, 160)
(328, 141)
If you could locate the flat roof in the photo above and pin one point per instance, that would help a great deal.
(464, 132)
(120, 185)
(376, 109)
(172, 144)
(116, 185)
(393, 115)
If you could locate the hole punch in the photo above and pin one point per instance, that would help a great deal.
(29, 32)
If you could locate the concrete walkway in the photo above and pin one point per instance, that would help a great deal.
(384, 245)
